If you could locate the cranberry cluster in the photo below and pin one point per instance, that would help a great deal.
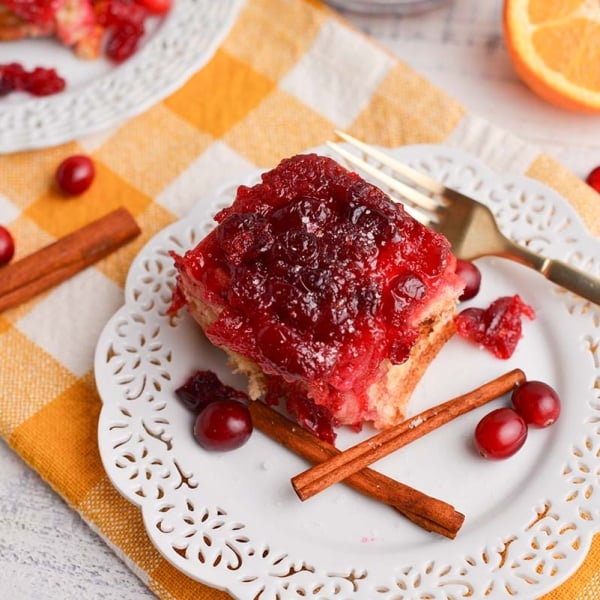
(125, 22)
(39, 13)
(38, 82)
(503, 431)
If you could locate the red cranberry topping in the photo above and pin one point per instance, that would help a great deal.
(471, 275)
(39, 82)
(498, 327)
(318, 277)
(311, 416)
(123, 42)
(593, 179)
(7, 246)
(36, 12)
(125, 22)
(75, 174)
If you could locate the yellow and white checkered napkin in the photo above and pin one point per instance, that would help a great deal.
(287, 75)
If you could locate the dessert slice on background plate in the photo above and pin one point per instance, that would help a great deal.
(323, 292)
(73, 22)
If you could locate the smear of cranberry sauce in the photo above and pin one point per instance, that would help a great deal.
(318, 274)
(498, 328)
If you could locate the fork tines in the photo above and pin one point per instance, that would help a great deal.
(421, 206)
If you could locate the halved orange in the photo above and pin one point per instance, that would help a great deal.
(555, 48)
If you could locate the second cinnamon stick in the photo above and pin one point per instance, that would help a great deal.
(343, 465)
(22, 280)
(425, 511)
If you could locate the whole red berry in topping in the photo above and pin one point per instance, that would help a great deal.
(593, 179)
(223, 425)
(537, 403)
(7, 246)
(75, 174)
(500, 433)
(471, 275)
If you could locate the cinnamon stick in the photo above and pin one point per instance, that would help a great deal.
(352, 460)
(427, 512)
(22, 280)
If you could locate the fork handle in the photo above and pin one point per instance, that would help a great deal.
(559, 272)
(572, 279)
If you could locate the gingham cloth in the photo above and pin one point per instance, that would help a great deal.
(287, 75)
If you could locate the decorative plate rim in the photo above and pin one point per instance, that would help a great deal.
(181, 44)
(482, 569)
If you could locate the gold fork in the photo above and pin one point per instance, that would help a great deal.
(469, 225)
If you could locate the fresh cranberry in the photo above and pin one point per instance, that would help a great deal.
(537, 403)
(471, 275)
(593, 179)
(204, 387)
(156, 7)
(500, 433)
(498, 327)
(223, 425)
(75, 174)
(7, 246)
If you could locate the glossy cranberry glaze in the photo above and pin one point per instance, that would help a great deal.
(498, 327)
(318, 278)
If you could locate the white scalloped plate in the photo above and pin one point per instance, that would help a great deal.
(101, 94)
(232, 520)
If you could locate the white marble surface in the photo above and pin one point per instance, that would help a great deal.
(46, 551)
